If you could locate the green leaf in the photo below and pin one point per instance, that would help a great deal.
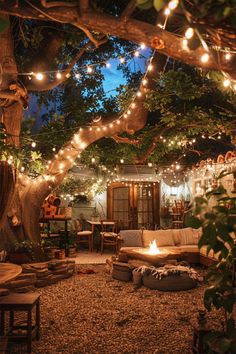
(193, 222)
(144, 4)
(4, 23)
(158, 4)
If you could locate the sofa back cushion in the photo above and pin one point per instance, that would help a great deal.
(131, 238)
(162, 237)
(189, 236)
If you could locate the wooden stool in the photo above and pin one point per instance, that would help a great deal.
(24, 303)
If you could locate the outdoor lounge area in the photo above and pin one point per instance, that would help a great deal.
(117, 177)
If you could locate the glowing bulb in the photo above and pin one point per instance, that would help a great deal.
(142, 46)
(136, 53)
(167, 12)
(149, 164)
(111, 125)
(98, 129)
(121, 160)
(58, 75)
(67, 75)
(53, 149)
(128, 112)
(173, 4)
(125, 115)
(227, 56)
(144, 82)
(150, 67)
(93, 160)
(235, 87)
(39, 76)
(77, 75)
(104, 128)
(122, 60)
(226, 83)
(33, 144)
(89, 69)
(205, 58)
(118, 121)
(139, 93)
(189, 33)
(133, 105)
(108, 65)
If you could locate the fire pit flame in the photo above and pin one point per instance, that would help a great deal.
(153, 249)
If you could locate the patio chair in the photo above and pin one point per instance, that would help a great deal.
(83, 236)
(109, 235)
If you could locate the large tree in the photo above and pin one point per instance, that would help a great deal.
(86, 26)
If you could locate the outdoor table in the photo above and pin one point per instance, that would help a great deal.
(9, 271)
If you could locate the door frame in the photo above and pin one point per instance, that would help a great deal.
(133, 186)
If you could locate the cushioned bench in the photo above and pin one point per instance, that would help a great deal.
(180, 244)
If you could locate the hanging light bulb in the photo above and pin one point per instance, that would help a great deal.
(150, 67)
(189, 33)
(226, 83)
(33, 144)
(89, 69)
(77, 75)
(144, 82)
(53, 149)
(227, 56)
(205, 58)
(108, 65)
(121, 160)
(39, 76)
(58, 75)
(173, 4)
(93, 160)
(133, 105)
(167, 12)
(142, 46)
(136, 53)
(149, 164)
(139, 93)
(122, 60)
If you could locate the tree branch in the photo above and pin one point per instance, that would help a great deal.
(40, 86)
(122, 140)
(132, 30)
(128, 10)
(47, 5)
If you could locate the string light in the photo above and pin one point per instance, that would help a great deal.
(226, 83)
(173, 4)
(167, 12)
(58, 75)
(77, 75)
(142, 46)
(33, 144)
(89, 69)
(205, 58)
(144, 82)
(39, 76)
(122, 60)
(189, 33)
(108, 65)
(227, 56)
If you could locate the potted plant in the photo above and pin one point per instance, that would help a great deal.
(218, 225)
(20, 252)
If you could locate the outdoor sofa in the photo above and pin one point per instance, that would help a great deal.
(179, 244)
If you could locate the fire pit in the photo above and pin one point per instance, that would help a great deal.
(153, 254)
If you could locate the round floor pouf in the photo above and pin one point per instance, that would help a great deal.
(171, 282)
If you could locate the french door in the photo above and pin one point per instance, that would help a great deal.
(135, 205)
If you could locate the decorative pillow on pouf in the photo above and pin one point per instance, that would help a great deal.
(169, 278)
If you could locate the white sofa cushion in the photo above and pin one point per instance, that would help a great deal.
(162, 237)
(189, 236)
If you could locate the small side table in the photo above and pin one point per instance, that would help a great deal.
(24, 303)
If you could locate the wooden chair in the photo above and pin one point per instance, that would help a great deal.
(109, 235)
(83, 236)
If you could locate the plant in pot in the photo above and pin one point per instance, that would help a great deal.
(50, 248)
(218, 225)
(20, 252)
(72, 247)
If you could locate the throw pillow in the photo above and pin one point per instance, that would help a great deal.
(189, 236)
(131, 238)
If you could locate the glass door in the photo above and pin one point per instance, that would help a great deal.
(134, 205)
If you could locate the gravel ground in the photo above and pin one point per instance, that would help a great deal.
(93, 313)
